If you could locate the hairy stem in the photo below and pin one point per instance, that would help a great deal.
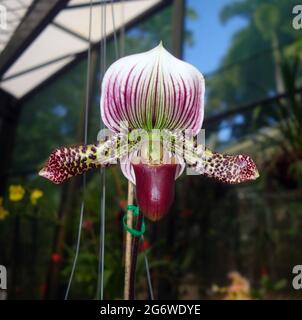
(128, 242)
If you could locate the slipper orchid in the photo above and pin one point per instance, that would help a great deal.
(153, 105)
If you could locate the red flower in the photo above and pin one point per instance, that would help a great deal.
(123, 204)
(144, 245)
(88, 224)
(55, 257)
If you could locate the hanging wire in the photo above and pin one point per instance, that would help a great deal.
(114, 31)
(149, 281)
(122, 31)
(101, 257)
(87, 102)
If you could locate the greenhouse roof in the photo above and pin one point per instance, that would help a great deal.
(26, 58)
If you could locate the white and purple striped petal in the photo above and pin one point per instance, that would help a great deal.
(153, 90)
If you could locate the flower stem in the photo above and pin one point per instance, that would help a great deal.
(128, 243)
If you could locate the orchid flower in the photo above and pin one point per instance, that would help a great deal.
(153, 105)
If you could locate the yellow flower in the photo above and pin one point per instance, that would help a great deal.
(3, 212)
(16, 193)
(35, 195)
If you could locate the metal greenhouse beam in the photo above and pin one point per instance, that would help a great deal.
(39, 15)
(94, 3)
(96, 46)
(178, 21)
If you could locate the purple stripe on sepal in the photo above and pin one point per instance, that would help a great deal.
(153, 90)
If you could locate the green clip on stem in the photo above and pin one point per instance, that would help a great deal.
(135, 212)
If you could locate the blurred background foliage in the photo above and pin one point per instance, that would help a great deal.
(218, 241)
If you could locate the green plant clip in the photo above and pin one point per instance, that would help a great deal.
(134, 232)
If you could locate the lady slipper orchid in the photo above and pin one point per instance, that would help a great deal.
(153, 104)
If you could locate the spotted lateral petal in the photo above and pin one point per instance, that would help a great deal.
(231, 169)
(66, 162)
(153, 90)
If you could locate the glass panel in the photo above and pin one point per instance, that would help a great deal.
(78, 19)
(23, 84)
(14, 11)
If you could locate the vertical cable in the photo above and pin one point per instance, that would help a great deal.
(101, 258)
(122, 31)
(114, 31)
(87, 102)
(149, 281)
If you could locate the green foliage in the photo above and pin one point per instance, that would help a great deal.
(267, 19)
(247, 71)
(288, 112)
(268, 287)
